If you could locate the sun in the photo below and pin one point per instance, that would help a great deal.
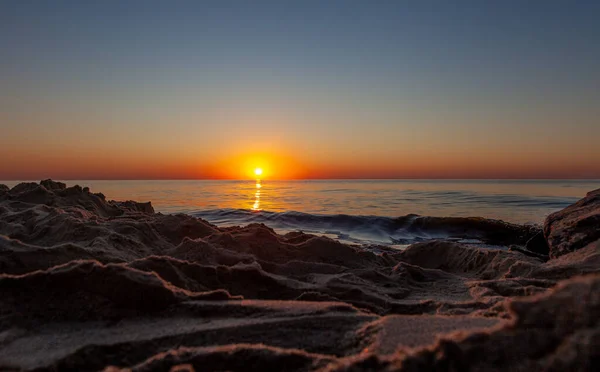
(258, 171)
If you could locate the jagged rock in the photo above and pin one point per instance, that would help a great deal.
(87, 283)
(53, 185)
(87, 290)
(574, 227)
(136, 207)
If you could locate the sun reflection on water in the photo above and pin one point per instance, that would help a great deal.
(256, 206)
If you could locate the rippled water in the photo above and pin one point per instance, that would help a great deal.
(520, 201)
(320, 201)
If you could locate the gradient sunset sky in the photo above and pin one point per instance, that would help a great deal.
(304, 89)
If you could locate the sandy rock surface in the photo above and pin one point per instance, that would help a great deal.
(574, 227)
(92, 284)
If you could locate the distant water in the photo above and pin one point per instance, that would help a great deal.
(354, 210)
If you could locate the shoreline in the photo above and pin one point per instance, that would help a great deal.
(89, 283)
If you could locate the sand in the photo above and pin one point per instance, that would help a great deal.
(92, 284)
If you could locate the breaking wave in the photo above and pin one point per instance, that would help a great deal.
(402, 230)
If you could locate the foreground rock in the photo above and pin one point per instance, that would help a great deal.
(575, 227)
(88, 283)
(556, 331)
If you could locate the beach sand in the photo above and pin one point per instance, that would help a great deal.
(91, 284)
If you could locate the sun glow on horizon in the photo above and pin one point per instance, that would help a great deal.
(252, 166)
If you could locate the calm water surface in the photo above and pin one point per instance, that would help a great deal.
(518, 201)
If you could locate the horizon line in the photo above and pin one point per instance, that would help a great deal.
(308, 179)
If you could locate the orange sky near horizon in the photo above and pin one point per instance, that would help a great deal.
(81, 164)
(291, 144)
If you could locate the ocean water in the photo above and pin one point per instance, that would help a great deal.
(351, 210)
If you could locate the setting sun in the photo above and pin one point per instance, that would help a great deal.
(258, 171)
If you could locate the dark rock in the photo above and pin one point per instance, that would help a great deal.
(31, 192)
(87, 289)
(24, 187)
(53, 185)
(538, 244)
(73, 190)
(516, 248)
(574, 227)
(135, 206)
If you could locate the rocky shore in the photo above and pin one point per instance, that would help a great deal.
(92, 284)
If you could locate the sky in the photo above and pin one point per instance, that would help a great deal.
(303, 89)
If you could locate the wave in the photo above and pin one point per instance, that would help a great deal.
(401, 230)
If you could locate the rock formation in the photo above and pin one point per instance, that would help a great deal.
(88, 284)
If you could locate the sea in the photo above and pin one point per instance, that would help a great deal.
(360, 211)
